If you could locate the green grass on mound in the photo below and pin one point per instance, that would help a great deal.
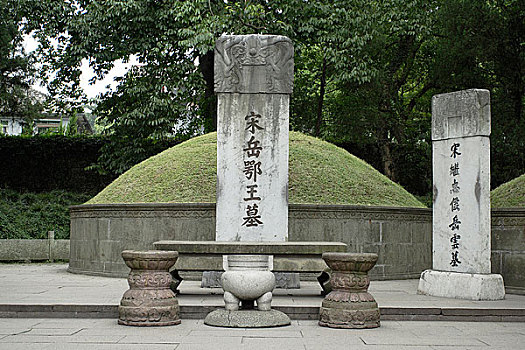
(320, 173)
(509, 195)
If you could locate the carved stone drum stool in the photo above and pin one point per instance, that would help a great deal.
(349, 305)
(149, 301)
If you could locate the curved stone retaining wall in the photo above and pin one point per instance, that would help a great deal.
(508, 248)
(99, 233)
(402, 237)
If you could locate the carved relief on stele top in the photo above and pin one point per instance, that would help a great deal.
(254, 64)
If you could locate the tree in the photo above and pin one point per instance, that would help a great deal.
(377, 66)
(173, 42)
(16, 69)
(365, 70)
(483, 46)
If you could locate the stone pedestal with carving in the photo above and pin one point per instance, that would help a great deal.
(349, 305)
(149, 301)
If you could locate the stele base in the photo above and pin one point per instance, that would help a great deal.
(247, 318)
(458, 285)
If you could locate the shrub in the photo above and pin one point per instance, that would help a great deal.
(31, 215)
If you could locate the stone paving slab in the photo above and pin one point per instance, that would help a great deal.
(193, 334)
(48, 290)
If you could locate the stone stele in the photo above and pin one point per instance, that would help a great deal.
(253, 82)
(461, 209)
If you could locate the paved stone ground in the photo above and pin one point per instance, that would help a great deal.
(105, 334)
(50, 284)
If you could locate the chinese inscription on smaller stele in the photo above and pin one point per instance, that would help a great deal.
(461, 180)
(454, 206)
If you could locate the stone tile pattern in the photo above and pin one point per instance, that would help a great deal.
(349, 305)
(105, 334)
(253, 82)
(461, 181)
(149, 301)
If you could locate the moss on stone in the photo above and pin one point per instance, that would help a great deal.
(509, 195)
(320, 173)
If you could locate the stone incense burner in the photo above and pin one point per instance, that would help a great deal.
(248, 278)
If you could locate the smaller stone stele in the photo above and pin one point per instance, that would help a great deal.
(149, 301)
(349, 305)
(247, 280)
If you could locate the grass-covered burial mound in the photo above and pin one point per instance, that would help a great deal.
(509, 195)
(320, 173)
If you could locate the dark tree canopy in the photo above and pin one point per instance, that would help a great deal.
(16, 69)
(365, 70)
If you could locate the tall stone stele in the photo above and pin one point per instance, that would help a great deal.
(253, 82)
(461, 210)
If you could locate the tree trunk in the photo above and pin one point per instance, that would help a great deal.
(319, 120)
(388, 162)
(209, 105)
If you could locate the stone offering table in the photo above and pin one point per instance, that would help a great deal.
(349, 305)
(149, 301)
(287, 256)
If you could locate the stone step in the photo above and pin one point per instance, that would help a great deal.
(294, 312)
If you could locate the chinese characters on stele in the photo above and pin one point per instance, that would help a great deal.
(252, 170)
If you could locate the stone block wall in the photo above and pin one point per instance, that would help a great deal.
(402, 237)
(99, 233)
(508, 248)
(34, 249)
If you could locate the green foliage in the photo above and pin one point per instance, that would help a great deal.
(16, 69)
(484, 47)
(168, 38)
(120, 153)
(509, 195)
(376, 76)
(319, 173)
(365, 70)
(72, 127)
(48, 162)
(30, 215)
